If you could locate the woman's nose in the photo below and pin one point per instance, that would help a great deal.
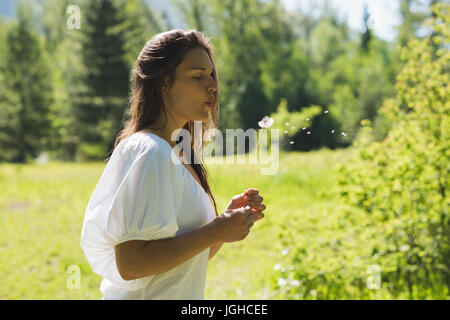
(212, 88)
(212, 84)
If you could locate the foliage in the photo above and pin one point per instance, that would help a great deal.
(290, 124)
(25, 123)
(394, 195)
(410, 189)
(263, 54)
(100, 95)
(249, 30)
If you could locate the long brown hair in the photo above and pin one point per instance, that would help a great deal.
(159, 58)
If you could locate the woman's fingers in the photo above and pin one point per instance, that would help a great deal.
(256, 198)
(259, 216)
(251, 191)
(257, 206)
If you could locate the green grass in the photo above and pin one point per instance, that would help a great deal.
(42, 210)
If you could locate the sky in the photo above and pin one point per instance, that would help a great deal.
(384, 16)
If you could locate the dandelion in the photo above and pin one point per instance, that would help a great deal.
(265, 123)
(277, 266)
(238, 291)
(287, 123)
(285, 131)
(307, 119)
(285, 252)
(293, 127)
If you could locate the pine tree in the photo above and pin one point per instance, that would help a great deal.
(25, 116)
(101, 96)
(367, 34)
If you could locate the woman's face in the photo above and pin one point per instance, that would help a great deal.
(192, 88)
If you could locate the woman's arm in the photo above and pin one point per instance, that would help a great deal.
(214, 249)
(139, 258)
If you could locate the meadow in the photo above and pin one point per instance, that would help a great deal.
(42, 209)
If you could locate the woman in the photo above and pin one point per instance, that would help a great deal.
(150, 226)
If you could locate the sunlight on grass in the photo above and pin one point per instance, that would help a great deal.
(42, 210)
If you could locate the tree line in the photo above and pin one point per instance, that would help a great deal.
(64, 91)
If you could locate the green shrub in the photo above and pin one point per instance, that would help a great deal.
(394, 216)
(90, 152)
(401, 183)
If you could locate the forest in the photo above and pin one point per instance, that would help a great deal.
(359, 208)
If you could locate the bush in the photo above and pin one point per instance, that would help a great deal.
(401, 183)
(394, 217)
(90, 152)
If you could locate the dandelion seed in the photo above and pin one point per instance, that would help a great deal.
(285, 252)
(326, 111)
(344, 134)
(281, 282)
(313, 292)
(277, 266)
(404, 248)
(293, 127)
(287, 123)
(304, 128)
(291, 142)
(291, 267)
(332, 131)
(296, 296)
(239, 292)
(307, 119)
(283, 269)
(285, 131)
(309, 132)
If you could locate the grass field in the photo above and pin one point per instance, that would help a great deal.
(42, 210)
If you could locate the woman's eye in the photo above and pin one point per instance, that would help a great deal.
(199, 77)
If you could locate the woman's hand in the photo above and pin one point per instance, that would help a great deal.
(249, 197)
(233, 225)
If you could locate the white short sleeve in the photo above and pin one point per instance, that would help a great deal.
(137, 198)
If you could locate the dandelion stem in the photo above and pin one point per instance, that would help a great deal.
(251, 169)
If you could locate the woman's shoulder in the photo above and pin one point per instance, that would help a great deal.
(142, 143)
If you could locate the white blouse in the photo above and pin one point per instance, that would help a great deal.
(144, 195)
